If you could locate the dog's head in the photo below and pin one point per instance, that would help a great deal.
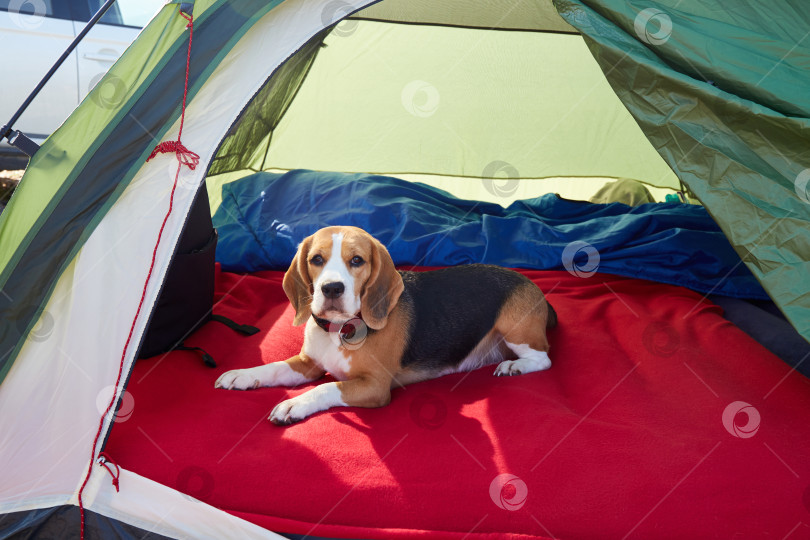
(340, 272)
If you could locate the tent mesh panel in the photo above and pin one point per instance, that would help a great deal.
(253, 130)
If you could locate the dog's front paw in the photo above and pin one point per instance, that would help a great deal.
(318, 399)
(238, 379)
(523, 365)
(507, 368)
(289, 412)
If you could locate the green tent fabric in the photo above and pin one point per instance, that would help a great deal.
(713, 94)
(721, 91)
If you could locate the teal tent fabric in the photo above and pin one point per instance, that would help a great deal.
(721, 91)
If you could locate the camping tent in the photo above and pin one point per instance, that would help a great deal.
(712, 95)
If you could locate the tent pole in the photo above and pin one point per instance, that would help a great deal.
(17, 138)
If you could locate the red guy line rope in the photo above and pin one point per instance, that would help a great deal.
(189, 159)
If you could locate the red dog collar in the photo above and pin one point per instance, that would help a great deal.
(353, 328)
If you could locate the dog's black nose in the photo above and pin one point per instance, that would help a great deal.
(332, 290)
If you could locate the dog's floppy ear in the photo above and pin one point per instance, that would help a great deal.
(382, 290)
(297, 284)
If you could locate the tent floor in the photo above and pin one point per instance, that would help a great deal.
(631, 434)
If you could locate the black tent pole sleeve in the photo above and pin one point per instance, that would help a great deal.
(6, 130)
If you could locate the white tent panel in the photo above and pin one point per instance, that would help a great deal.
(158, 509)
(55, 385)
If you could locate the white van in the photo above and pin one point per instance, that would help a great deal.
(34, 33)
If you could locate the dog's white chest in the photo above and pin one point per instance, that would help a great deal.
(325, 349)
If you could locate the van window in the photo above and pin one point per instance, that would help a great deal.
(135, 13)
(27, 9)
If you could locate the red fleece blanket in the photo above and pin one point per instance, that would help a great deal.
(657, 419)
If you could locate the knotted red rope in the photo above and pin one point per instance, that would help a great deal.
(184, 157)
(103, 459)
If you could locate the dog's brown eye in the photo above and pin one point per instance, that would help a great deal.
(317, 260)
(357, 261)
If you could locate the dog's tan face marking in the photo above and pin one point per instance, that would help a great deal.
(338, 267)
(339, 255)
(339, 271)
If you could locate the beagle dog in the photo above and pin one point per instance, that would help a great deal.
(373, 328)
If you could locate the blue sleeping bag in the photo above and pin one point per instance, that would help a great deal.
(263, 218)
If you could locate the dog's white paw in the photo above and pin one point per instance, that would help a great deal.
(522, 366)
(292, 410)
(507, 367)
(318, 399)
(238, 379)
